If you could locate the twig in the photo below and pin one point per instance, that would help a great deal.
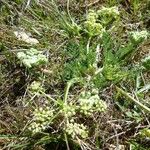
(116, 135)
(49, 97)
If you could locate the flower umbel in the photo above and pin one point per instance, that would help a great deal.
(108, 15)
(41, 120)
(92, 27)
(32, 57)
(76, 130)
(90, 102)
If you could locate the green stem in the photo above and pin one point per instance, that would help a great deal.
(134, 100)
(69, 84)
(68, 87)
(66, 139)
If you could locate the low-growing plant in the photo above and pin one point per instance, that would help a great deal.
(83, 65)
(31, 58)
(92, 64)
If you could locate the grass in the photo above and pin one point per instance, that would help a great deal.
(85, 85)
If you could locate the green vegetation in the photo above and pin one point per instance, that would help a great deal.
(74, 75)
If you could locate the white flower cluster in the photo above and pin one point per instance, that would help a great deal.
(92, 16)
(93, 28)
(97, 21)
(41, 120)
(90, 102)
(138, 36)
(35, 86)
(68, 110)
(108, 14)
(76, 130)
(32, 57)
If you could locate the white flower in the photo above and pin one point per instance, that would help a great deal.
(42, 119)
(76, 130)
(90, 102)
(32, 57)
(109, 12)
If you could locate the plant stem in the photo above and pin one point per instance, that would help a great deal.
(65, 102)
(72, 81)
(134, 100)
(66, 139)
(68, 2)
(49, 97)
(88, 45)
